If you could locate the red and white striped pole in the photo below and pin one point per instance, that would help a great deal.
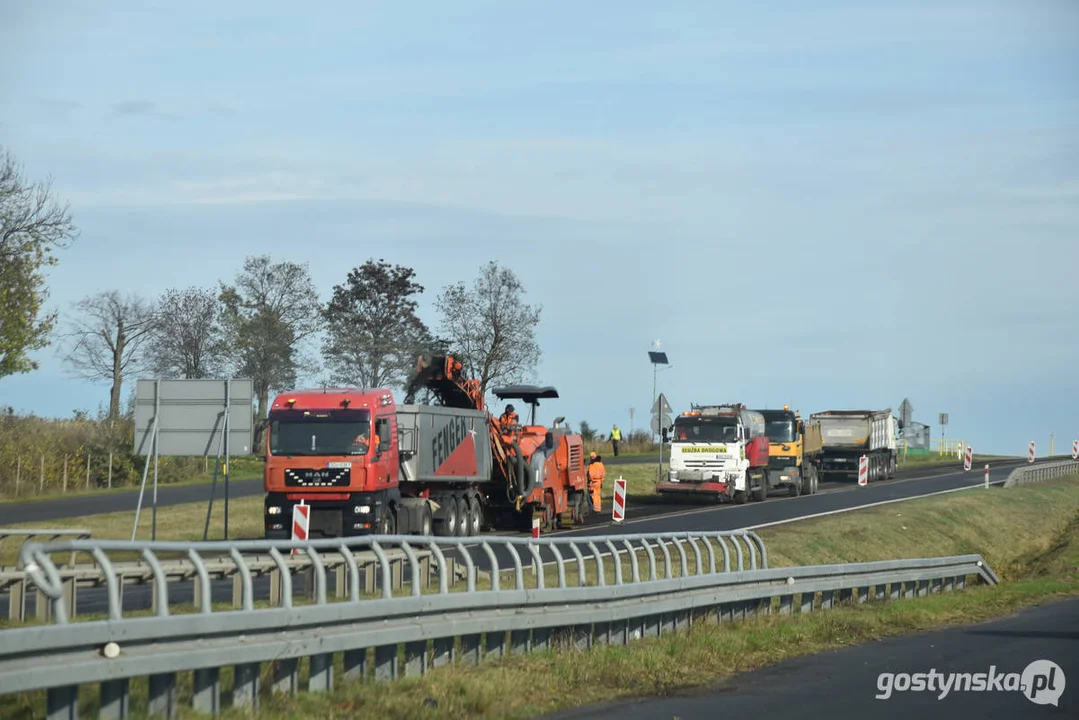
(863, 470)
(618, 507)
(969, 459)
(1075, 449)
(535, 527)
(987, 476)
(301, 523)
(1030, 453)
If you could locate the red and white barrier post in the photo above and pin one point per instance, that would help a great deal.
(535, 527)
(1075, 449)
(1030, 453)
(301, 523)
(987, 476)
(863, 470)
(969, 459)
(618, 507)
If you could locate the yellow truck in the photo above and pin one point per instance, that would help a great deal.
(793, 451)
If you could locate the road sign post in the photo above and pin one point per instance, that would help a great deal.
(969, 458)
(535, 527)
(987, 476)
(863, 471)
(943, 420)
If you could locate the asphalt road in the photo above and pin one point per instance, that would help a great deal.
(677, 517)
(845, 682)
(62, 508)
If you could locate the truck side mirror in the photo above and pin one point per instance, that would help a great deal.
(801, 428)
(548, 440)
(665, 436)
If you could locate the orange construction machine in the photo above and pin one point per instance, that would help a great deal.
(366, 465)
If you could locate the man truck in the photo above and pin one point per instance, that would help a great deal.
(846, 435)
(718, 451)
(368, 466)
(793, 451)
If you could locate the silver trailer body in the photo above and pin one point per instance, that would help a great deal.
(443, 445)
(856, 429)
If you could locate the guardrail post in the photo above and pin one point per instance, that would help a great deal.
(115, 700)
(275, 587)
(444, 652)
(69, 596)
(415, 658)
(519, 642)
(807, 602)
(923, 588)
(494, 645)
(386, 662)
(935, 586)
(162, 696)
(470, 649)
(62, 703)
(206, 691)
(245, 686)
(397, 574)
(786, 604)
(601, 633)
(846, 596)
(285, 676)
(949, 583)
(863, 595)
(355, 665)
(369, 575)
(16, 609)
(320, 675)
(827, 599)
(340, 581)
(541, 639)
(42, 606)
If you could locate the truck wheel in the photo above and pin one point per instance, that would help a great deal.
(475, 516)
(426, 520)
(387, 524)
(447, 527)
(761, 493)
(816, 481)
(739, 497)
(463, 521)
(796, 487)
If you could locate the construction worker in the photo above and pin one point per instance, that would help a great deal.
(508, 419)
(596, 474)
(362, 443)
(616, 437)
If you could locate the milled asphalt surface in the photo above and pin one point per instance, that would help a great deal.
(844, 683)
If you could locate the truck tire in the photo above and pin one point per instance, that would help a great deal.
(463, 521)
(796, 487)
(427, 520)
(387, 523)
(761, 493)
(475, 516)
(447, 527)
(816, 481)
(739, 497)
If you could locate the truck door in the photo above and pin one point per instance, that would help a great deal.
(383, 457)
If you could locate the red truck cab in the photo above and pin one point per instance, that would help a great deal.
(335, 449)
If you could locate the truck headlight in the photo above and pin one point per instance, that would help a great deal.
(361, 509)
(273, 510)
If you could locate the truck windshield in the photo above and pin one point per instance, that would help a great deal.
(779, 431)
(705, 430)
(320, 432)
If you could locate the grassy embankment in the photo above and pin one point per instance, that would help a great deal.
(1028, 535)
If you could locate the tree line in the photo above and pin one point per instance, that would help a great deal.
(261, 325)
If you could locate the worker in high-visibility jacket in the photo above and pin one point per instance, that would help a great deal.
(596, 474)
(616, 438)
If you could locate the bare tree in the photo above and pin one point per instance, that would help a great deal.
(187, 337)
(107, 339)
(374, 333)
(492, 329)
(267, 315)
(32, 226)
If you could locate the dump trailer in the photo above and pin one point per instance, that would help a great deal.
(366, 465)
(718, 451)
(793, 451)
(847, 435)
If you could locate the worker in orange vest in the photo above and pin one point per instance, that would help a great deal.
(596, 474)
(508, 420)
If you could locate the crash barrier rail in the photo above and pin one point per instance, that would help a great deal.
(362, 638)
(13, 582)
(1041, 472)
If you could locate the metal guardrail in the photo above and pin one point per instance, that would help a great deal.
(641, 586)
(1040, 472)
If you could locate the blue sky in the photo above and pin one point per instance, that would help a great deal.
(831, 205)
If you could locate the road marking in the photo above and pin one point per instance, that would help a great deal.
(830, 491)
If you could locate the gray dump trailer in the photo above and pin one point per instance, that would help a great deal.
(847, 435)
